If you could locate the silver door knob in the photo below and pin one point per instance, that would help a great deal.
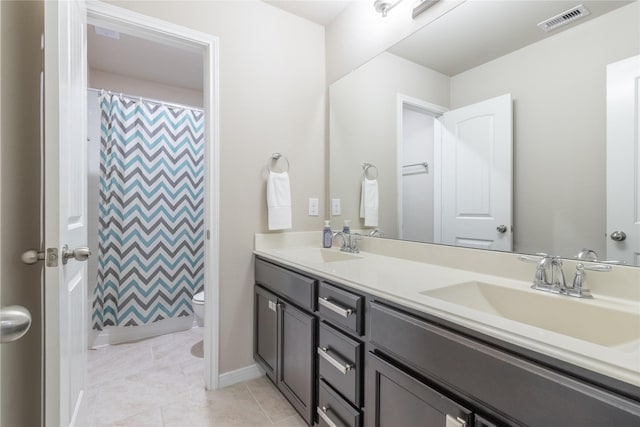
(15, 321)
(618, 236)
(32, 256)
(81, 253)
(501, 228)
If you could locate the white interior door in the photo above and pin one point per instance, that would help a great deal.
(65, 215)
(623, 161)
(476, 175)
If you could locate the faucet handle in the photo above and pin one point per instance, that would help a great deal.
(579, 288)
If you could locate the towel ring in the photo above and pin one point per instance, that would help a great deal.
(276, 157)
(365, 169)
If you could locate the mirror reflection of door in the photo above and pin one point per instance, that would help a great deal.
(476, 178)
(623, 181)
(456, 173)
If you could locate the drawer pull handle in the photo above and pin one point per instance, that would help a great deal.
(342, 367)
(322, 412)
(344, 312)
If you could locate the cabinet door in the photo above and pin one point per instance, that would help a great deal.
(396, 399)
(265, 345)
(296, 368)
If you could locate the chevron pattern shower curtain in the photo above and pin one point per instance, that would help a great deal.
(151, 215)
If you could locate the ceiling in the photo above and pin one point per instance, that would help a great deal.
(320, 12)
(145, 60)
(491, 29)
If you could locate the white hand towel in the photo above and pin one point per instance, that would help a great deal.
(369, 202)
(279, 201)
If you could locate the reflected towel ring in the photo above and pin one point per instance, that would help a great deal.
(365, 169)
(276, 157)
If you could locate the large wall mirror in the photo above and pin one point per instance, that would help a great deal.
(482, 120)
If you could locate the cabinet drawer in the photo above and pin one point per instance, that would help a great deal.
(333, 411)
(295, 287)
(397, 399)
(340, 363)
(471, 367)
(341, 307)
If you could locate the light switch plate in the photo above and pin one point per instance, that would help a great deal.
(335, 207)
(313, 206)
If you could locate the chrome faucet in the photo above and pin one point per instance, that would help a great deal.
(349, 241)
(548, 264)
(557, 284)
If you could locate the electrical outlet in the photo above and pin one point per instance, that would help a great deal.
(313, 206)
(335, 207)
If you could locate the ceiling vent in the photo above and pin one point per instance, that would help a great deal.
(564, 18)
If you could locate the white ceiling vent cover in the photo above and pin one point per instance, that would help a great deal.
(564, 18)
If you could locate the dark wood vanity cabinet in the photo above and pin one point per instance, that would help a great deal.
(340, 356)
(285, 336)
(346, 358)
(513, 389)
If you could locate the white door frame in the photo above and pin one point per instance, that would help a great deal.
(428, 108)
(132, 23)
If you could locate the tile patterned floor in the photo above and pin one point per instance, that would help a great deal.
(158, 382)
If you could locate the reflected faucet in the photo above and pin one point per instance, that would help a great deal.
(587, 254)
(376, 233)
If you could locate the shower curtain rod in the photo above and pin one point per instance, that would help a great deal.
(159, 101)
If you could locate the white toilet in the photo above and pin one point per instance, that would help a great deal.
(198, 307)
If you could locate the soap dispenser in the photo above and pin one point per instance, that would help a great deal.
(327, 235)
(345, 228)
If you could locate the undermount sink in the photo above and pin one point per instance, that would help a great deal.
(564, 315)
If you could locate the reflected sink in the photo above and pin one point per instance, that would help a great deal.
(564, 315)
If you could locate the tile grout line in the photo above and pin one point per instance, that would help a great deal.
(260, 406)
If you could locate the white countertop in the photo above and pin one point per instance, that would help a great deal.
(403, 281)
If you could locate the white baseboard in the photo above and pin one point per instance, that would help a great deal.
(239, 375)
(120, 334)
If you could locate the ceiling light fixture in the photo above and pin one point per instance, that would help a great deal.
(384, 6)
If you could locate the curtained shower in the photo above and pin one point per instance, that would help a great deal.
(151, 212)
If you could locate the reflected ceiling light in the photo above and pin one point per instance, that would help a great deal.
(384, 6)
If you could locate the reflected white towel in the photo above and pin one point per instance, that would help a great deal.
(369, 202)
(279, 201)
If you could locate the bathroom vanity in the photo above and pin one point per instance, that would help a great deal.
(352, 344)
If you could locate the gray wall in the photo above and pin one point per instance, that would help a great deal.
(22, 24)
